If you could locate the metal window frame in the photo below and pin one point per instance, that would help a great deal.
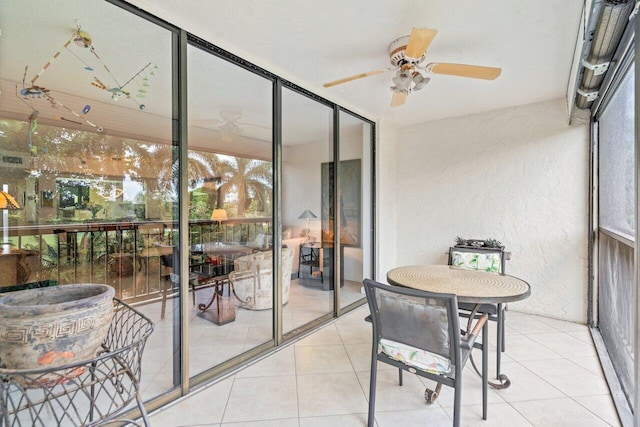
(178, 94)
(180, 41)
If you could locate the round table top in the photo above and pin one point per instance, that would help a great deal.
(12, 250)
(471, 286)
(215, 248)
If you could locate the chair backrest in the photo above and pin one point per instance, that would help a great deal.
(151, 234)
(263, 260)
(255, 272)
(420, 319)
(485, 259)
(170, 259)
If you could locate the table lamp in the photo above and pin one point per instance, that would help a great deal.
(7, 201)
(307, 214)
(219, 215)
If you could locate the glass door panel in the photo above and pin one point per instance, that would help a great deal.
(355, 204)
(230, 210)
(90, 161)
(307, 209)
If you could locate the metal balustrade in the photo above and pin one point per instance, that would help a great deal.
(116, 253)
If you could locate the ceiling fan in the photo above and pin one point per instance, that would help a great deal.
(229, 124)
(407, 55)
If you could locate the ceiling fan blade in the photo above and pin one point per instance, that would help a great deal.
(462, 70)
(205, 121)
(398, 99)
(419, 41)
(357, 76)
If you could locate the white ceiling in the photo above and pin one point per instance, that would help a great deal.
(311, 43)
(306, 42)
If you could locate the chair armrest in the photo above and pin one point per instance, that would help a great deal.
(240, 275)
(470, 338)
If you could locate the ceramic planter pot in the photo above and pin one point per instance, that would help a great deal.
(48, 327)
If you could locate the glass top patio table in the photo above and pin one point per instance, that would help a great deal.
(221, 248)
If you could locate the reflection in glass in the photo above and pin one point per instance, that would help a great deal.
(354, 192)
(307, 150)
(87, 147)
(230, 210)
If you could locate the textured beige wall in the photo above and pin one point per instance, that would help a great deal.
(519, 175)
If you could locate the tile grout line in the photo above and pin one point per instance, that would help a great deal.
(596, 415)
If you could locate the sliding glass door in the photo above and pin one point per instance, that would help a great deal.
(307, 209)
(100, 129)
(355, 201)
(89, 155)
(230, 185)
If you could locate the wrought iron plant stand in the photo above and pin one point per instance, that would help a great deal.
(92, 392)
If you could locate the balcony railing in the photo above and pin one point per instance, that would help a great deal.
(115, 253)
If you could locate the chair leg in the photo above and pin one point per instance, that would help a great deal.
(372, 389)
(164, 298)
(485, 368)
(457, 398)
(399, 376)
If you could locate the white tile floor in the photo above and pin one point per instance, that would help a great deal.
(323, 380)
(211, 344)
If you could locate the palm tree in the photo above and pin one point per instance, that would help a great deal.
(249, 179)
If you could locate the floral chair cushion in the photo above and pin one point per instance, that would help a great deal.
(477, 261)
(420, 359)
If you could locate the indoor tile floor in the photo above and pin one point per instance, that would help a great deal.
(323, 379)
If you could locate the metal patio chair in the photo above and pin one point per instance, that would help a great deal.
(419, 332)
(490, 260)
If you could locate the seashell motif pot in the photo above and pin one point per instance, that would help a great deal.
(48, 327)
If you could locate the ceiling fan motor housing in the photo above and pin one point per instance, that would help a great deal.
(397, 49)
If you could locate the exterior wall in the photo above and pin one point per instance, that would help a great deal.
(519, 175)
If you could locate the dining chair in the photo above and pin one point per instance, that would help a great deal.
(170, 281)
(149, 235)
(490, 260)
(418, 331)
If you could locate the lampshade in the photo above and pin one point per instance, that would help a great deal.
(307, 214)
(219, 215)
(7, 201)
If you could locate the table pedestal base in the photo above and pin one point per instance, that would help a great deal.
(225, 307)
(503, 379)
(214, 316)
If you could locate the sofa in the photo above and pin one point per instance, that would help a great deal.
(252, 279)
(294, 244)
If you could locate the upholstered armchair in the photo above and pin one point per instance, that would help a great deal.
(252, 279)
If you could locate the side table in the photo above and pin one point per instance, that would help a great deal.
(319, 258)
(312, 255)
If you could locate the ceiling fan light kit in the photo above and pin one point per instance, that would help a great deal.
(406, 54)
(397, 53)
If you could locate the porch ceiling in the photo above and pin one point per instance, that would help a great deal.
(307, 43)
